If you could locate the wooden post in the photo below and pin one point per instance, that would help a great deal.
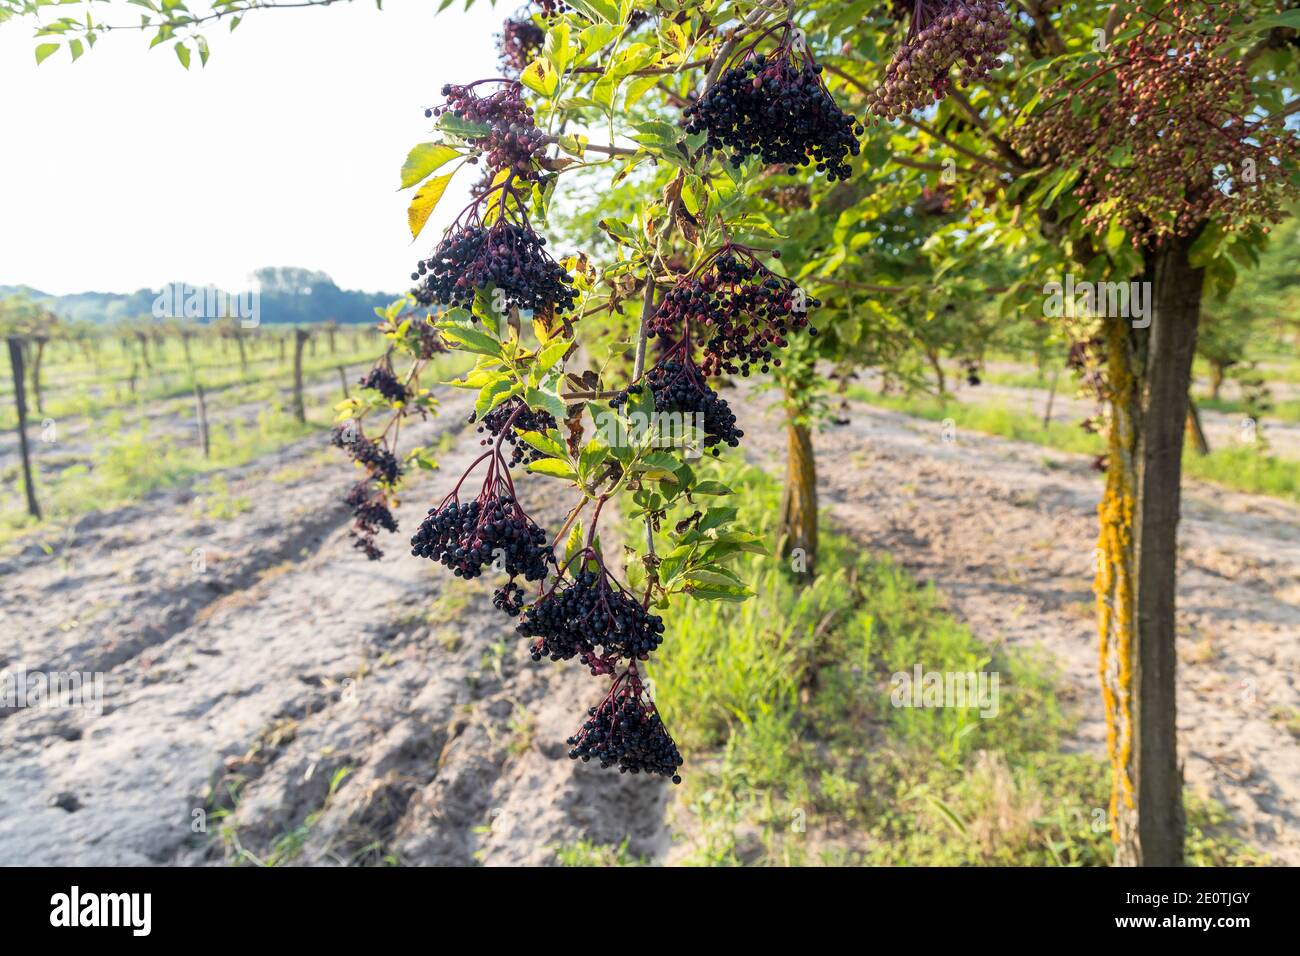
(201, 409)
(20, 399)
(134, 370)
(299, 338)
(343, 380)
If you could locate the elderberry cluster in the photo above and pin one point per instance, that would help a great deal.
(1172, 136)
(370, 509)
(575, 620)
(519, 418)
(678, 387)
(509, 598)
(370, 516)
(743, 310)
(383, 381)
(512, 140)
(943, 33)
(771, 108)
(468, 537)
(374, 456)
(626, 730)
(511, 257)
(520, 41)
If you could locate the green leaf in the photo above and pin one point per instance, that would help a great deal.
(716, 592)
(424, 202)
(574, 542)
(595, 10)
(472, 340)
(462, 127)
(547, 401)
(182, 54)
(44, 51)
(715, 518)
(591, 457)
(422, 160)
(553, 467)
(1291, 18)
(714, 574)
(556, 46)
(711, 488)
(493, 394)
(553, 352)
(547, 445)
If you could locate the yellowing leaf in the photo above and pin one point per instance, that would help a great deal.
(424, 202)
(422, 160)
(541, 77)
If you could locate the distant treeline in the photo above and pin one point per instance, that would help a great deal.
(288, 296)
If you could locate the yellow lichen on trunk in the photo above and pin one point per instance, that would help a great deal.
(1115, 576)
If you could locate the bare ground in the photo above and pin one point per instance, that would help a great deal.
(298, 702)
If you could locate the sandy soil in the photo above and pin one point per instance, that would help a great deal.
(1007, 531)
(238, 694)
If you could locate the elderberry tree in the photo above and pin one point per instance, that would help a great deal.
(1150, 142)
(687, 103)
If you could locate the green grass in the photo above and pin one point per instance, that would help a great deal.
(1288, 411)
(134, 462)
(796, 754)
(109, 390)
(1241, 468)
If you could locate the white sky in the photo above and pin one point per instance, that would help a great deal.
(123, 171)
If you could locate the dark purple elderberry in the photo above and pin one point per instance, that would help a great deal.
(678, 386)
(492, 530)
(511, 139)
(370, 516)
(520, 42)
(383, 381)
(742, 310)
(510, 257)
(777, 107)
(510, 418)
(625, 729)
(509, 598)
(593, 611)
(373, 455)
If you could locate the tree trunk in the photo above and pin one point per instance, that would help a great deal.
(185, 344)
(1150, 373)
(937, 366)
(343, 380)
(243, 355)
(1195, 431)
(798, 526)
(1051, 397)
(20, 400)
(1217, 373)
